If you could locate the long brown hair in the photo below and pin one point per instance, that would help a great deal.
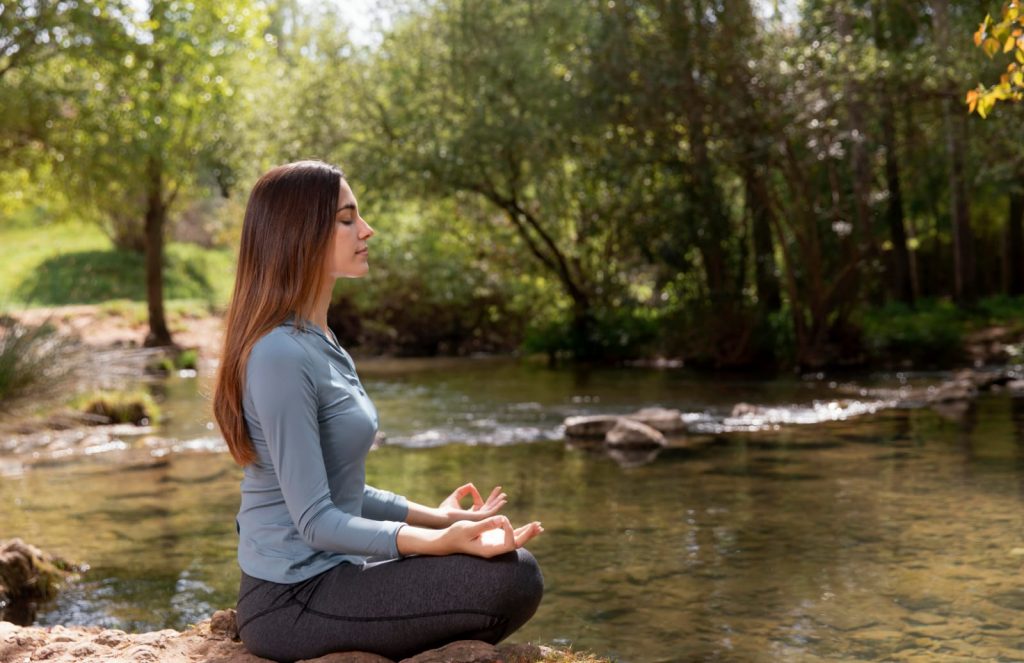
(289, 222)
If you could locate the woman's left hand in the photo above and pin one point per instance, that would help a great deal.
(453, 511)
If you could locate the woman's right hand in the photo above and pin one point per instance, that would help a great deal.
(489, 537)
(484, 538)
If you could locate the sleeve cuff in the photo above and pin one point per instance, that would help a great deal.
(394, 543)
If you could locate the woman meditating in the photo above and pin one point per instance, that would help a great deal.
(329, 563)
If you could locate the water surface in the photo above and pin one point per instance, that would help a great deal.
(883, 537)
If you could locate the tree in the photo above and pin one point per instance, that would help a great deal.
(993, 36)
(471, 99)
(146, 127)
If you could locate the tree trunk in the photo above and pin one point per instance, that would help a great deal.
(964, 278)
(901, 280)
(900, 266)
(156, 216)
(764, 252)
(1015, 245)
(965, 283)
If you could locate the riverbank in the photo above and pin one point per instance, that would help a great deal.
(215, 639)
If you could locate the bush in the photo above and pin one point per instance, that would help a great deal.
(619, 334)
(168, 363)
(120, 407)
(32, 359)
(931, 334)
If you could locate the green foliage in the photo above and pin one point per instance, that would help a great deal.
(1000, 310)
(620, 334)
(430, 292)
(929, 335)
(120, 407)
(1006, 36)
(154, 119)
(175, 361)
(600, 179)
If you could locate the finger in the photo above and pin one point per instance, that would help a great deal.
(510, 535)
(527, 532)
(497, 502)
(489, 509)
(494, 522)
(495, 495)
(470, 489)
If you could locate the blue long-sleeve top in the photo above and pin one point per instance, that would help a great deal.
(305, 504)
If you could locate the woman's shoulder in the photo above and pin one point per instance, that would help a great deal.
(280, 348)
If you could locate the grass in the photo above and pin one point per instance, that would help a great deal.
(563, 656)
(75, 263)
(120, 407)
(30, 360)
(184, 360)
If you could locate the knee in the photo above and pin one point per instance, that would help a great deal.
(529, 576)
(528, 582)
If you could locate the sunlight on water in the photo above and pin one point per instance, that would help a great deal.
(897, 535)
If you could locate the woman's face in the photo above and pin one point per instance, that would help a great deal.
(348, 255)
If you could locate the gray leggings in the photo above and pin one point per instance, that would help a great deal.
(396, 609)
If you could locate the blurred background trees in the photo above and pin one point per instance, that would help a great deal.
(738, 183)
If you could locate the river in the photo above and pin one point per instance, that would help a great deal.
(803, 534)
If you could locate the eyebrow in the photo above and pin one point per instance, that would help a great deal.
(345, 207)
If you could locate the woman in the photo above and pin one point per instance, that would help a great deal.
(328, 563)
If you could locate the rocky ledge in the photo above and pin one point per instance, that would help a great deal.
(215, 640)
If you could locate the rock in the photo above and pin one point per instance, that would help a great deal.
(628, 457)
(925, 619)
(524, 653)
(28, 575)
(982, 380)
(202, 642)
(948, 392)
(745, 410)
(349, 657)
(659, 418)
(111, 638)
(951, 411)
(463, 651)
(633, 434)
(224, 623)
(594, 426)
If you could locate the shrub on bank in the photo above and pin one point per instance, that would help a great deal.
(32, 359)
(120, 407)
(928, 335)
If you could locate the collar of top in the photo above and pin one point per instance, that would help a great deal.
(309, 325)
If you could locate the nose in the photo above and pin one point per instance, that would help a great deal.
(367, 231)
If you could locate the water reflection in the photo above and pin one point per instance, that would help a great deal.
(888, 537)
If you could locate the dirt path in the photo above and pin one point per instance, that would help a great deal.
(101, 328)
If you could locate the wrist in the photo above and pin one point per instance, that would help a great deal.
(421, 541)
(441, 518)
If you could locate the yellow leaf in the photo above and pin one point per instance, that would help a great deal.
(1018, 78)
(990, 46)
(979, 36)
(1010, 43)
(1019, 54)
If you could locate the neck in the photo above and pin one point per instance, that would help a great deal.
(318, 314)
